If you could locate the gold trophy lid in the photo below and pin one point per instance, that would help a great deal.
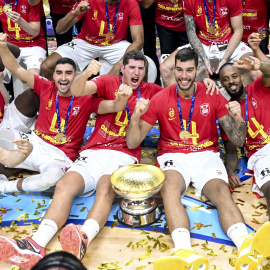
(137, 181)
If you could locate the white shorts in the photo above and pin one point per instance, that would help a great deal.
(215, 54)
(82, 53)
(43, 154)
(196, 168)
(15, 120)
(92, 164)
(260, 164)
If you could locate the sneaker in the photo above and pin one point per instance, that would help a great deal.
(3, 180)
(74, 241)
(254, 249)
(23, 253)
(182, 259)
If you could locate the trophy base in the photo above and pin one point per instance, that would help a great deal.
(141, 216)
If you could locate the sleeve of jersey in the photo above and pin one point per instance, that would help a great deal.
(235, 7)
(34, 13)
(101, 86)
(220, 102)
(74, 7)
(95, 103)
(150, 116)
(39, 84)
(186, 7)
(259, 86)
(134, 13)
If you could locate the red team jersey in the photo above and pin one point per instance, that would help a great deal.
(204, 136)
(46, 126)
(225, 9)
(254, 17)
(95, 27)
(61, 6)
(2, 107)
(110, 129)
(15, 34)
(170, 15)
(258, 131)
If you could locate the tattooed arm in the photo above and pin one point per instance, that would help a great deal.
(196, 43)
(233, 124)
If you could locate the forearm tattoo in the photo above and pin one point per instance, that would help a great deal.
(235, 131)
(193, 38)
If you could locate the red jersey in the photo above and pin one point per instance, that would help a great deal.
(225, 9)
(61, 6)
(254, 17)
(94, 28)
(170, 15)
(110, 129)
(2, 107)
(204, 136)
(46, 126)
(15, 34)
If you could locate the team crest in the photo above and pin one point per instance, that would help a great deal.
(171, 114)
(224, 11)
(75, 110)
(254, 103)
(199, 11)
(205, 109)
(120, 16)
(49, 105)
(23, 9)
(95, 15)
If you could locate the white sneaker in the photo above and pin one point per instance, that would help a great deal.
(3, 180)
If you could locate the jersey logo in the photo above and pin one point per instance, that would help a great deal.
(71, 44)
(254, 103)
(265, 172)
(120, 16)
(23, 9)
(75, 110)
(171, 114)
(95, 15)
(224, 11)
(168, 163)
(205, 109)
(49, 105)
(199, 11)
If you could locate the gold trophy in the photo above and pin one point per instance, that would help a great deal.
(137, 184)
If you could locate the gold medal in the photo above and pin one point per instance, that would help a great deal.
(110, 36)
(212, 29)
(184, 135)
(60, 137)
(7, 8)
(262, 33)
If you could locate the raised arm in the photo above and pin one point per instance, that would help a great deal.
(81, 86)
(233, 124)
(70, 19)
(13, 158)
(237, 26)
(196, 43)
(253, 63)
(117, 105)
(136, 32)
(137, 128)
(12, 64)
(231, 163)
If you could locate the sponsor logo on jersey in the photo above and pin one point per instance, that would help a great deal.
(205, 109)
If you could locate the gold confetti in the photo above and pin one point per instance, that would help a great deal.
(116, 223)
(129, 262)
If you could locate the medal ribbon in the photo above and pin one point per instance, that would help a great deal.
(246, 110)
(190, 113)
(139, 96)
(107, 16)
(58, 114)
(207, 14)
(16, 2)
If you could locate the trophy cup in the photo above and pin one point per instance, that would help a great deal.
(137, 184)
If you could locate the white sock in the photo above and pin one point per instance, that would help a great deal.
(91, 228)
(181, 239)
(238, 233)
(10, 186)
(46, 231)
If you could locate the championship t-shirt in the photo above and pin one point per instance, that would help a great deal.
(15, 34)
(204, 136)
(170, 15)
(254, 17)
(110, 129)
(2, 107)
(225, 9)
(46, 126)
(62, 6)
(95, 25)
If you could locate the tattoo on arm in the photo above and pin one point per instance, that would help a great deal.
(235, 131)
(193, 38)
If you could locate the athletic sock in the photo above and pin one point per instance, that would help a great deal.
(238, 233)
(181, 239)
(46, 231)
(10, 186)
(91, 228)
